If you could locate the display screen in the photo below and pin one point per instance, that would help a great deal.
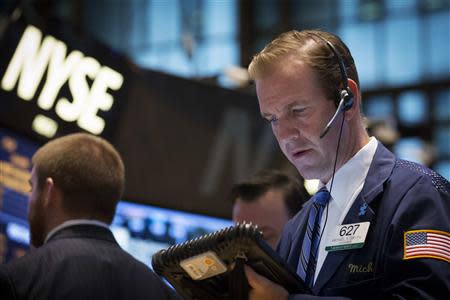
(15, 168)
(142, 230)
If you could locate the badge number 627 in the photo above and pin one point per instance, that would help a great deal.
(348, 230)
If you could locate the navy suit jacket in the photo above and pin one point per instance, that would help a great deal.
(80, 262)
(400, 196)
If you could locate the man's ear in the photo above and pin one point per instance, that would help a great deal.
(356, 107)
(49, 191)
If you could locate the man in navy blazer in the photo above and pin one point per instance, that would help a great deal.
(383, 230)
(76, 182)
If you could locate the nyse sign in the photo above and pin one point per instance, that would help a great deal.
(36, 56)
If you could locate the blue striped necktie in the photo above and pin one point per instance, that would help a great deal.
(308, 257)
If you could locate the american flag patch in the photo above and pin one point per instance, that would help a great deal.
(427, 243)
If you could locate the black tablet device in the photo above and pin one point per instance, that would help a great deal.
(211, 266)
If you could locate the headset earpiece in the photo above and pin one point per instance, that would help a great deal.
(347, 96)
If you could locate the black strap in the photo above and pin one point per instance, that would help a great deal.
(238, 284)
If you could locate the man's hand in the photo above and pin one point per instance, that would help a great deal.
(263, 288)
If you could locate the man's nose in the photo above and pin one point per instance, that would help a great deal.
(285, 130)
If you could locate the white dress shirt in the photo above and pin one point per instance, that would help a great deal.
(348, 183)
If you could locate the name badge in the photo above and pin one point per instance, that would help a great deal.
(348, 236)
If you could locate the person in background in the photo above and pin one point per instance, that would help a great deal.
(268, 199)
(379, 226)
(76, 182)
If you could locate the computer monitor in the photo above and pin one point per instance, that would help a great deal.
(142, 229)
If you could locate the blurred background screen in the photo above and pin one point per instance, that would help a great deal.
(144, 229)
(15, 166)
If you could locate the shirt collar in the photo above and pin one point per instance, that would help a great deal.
(75, 222)
(352, 174)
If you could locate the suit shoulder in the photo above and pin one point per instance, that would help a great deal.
(135, 262)
(408, 170)
(28, 266)
(26, 261)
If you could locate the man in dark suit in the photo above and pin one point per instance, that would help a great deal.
(76, 182)
(379, 227)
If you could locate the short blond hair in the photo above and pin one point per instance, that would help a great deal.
(87, 169)
(308, 46)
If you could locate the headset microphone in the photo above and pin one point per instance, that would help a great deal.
(344, 105)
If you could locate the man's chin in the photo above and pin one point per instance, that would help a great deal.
(308, 172)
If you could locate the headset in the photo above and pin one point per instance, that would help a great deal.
(344, 104)
(345, 95)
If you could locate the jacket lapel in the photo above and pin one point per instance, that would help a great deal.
(363, 210)
(297, 243)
